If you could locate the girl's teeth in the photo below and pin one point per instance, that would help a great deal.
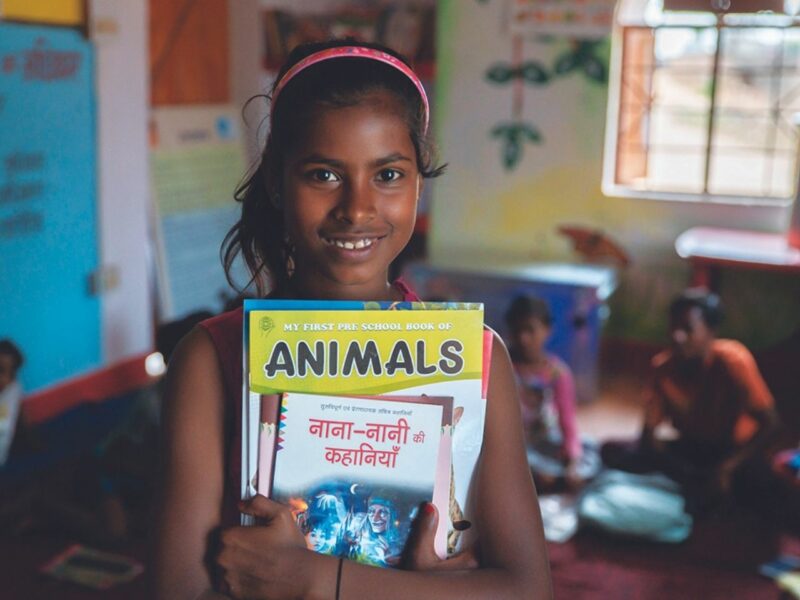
(351, 245)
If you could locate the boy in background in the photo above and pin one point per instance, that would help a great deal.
(711, 391)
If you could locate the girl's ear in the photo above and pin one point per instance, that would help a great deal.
(420, 185)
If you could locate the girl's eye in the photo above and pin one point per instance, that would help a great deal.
(389, 175)
(323, 175)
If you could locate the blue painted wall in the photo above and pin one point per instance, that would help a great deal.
(48, 222)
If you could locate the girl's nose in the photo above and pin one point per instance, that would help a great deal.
(357, 204)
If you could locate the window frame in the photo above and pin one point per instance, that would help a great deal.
(622, 23)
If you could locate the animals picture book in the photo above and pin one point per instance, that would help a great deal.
(356, 470)
(366, 349)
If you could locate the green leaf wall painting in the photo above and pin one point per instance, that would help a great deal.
(582, 56)
(513, 135)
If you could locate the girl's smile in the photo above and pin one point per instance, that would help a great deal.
(351, 186)
(359, 244)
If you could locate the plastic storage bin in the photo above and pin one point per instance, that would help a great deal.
(576, 295)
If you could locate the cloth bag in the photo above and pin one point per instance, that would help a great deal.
(642, 506)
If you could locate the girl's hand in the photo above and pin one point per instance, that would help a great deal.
(419, 554)
(268, 560)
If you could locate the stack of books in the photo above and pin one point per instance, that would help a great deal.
(356, 413)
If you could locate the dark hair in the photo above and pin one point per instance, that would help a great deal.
(709, 304)
(10, 348)
(259, 234)
(527, 307)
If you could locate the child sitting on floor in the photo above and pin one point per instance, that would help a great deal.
(547, 400)
(712, 393)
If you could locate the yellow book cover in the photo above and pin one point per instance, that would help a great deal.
(357, 350)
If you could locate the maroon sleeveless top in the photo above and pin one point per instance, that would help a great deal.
(226, 334)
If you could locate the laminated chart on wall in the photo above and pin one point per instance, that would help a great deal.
(48, 224)
(197, 163)
(583, 19)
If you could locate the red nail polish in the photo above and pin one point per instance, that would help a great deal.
(428, 508)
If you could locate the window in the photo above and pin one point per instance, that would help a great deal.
(702, 105)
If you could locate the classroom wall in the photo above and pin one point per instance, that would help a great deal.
(83, 262)
(48, 201)
(484, 212)
(246, 56)
(119, 32)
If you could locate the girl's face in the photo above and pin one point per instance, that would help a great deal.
(351, 188)
(529, 337)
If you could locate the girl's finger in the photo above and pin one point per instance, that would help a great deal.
(262, 507)
(419, 552)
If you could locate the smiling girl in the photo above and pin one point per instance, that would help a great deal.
(330, 206)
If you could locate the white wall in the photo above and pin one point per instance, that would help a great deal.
(120, 34)
(247, 75)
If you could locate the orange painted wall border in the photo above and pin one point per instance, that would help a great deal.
(97, 386)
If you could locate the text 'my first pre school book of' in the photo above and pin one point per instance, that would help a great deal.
(355, 412)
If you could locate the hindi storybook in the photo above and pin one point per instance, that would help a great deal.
(364, 354)
(356, 470)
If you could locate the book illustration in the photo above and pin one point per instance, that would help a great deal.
(367, 349)
(355, 521)
(268, 427)
(460, 524)
(453, 507)
(355, 470)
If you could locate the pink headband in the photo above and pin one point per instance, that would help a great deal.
(355, 52)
